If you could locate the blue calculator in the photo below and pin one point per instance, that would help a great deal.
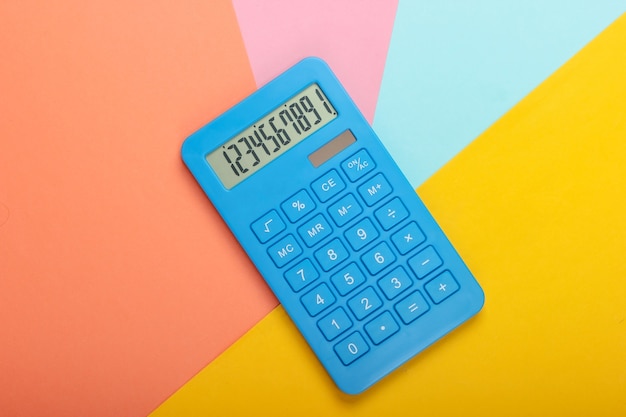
(331, 223)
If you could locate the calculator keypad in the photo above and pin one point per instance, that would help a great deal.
(370, 269)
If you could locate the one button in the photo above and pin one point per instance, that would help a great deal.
(359, 235)
(347, 278)
(441, 287)
(382, 328)
(331, 254)
(408, 238)
(284, 251)
(314, 230)
(391, 214)
(351, 348)
(375, 189)
(268, 226)
(395, 283)
(298, 206)
(328, 185)
(365, 303)
(425, 262)
(378, 258)
(344, 210)
(301, 275)
(358, 165)
(412, 307)
(318, 299)
(334, 323)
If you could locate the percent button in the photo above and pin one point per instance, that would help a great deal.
(298, 205)
(358, 165)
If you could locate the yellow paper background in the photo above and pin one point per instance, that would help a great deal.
(536, 206)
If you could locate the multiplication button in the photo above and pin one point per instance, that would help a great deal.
(408, 238)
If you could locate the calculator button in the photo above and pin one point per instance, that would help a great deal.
(381, 328)
(328, 185)
(358, 165)
(318, 300)
(301, 275)
(334, 324)
(391, 214)
(442, 287)
(374, 189)
(351, 348)
(395, 283)
(345, 210)
(284, 251)
(365, 303)
(361, 234)
(331, 254)
(314, 230)
(268, 226)
(412, 307)
(408, 238)
(378, 258)
(298, 206)
(347, 279)
(425, 262)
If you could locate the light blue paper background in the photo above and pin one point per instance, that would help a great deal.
(454, 67)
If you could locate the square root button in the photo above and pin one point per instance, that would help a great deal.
(268, 226)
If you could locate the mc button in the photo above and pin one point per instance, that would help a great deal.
(283, 251)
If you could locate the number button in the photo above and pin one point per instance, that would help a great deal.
(298, 206)
(314, 230)
(334, 324)
(365, 303)
(318, 299)
(408, 238)
(375, 189)
(361, 234)
(442, 287)
(391, 214)
(331, 254)
(378, 258)
(358, 165)
(425, 262)
(412, 307)
(347, 279)
(345, 210)
(328, 185)
(284, 251)
(351, 348)
(268, 226)
(394, 283)
(301, 275)
(382, 328)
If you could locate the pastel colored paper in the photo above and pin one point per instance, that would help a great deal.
(352, 36)
(118, 280)
(535, 206)
(455, 67)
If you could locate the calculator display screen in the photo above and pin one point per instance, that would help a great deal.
(273, 134)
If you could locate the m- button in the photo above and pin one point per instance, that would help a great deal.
(328, 185)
